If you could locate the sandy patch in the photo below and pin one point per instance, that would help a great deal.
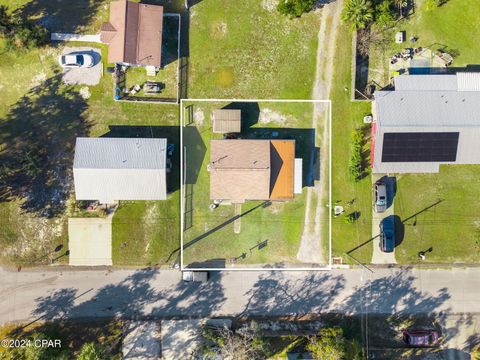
(85, 92)
(38, 79)
(218, 29)
(276, 207)
(198, 116)
(268, 115)
(269, 5)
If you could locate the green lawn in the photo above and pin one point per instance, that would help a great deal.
(451, 27)
(209, 234)
(452, 227)
(245, 49)
(254, 53)
(41, 116)
(348, 115)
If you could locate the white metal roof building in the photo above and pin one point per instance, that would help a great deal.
(110, 169)
(426, 121)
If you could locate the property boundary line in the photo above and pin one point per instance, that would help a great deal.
(328, 267)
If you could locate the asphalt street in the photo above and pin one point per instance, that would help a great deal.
(28, 295)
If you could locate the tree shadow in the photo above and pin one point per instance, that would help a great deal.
(399, 303)
(171, 133)
(277, 294)
(38, 140)
(134, 298)
(61, 16)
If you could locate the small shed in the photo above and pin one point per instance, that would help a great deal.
(227, 121)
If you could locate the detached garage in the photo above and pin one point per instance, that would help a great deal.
(112, 169)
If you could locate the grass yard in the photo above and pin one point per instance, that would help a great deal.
(209, 235)
(41, 116)
(348, 115)
(451, 27)
(246, 49)
(451, 228)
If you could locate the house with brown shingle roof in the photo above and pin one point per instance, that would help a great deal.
(134, 33)
(242, 170)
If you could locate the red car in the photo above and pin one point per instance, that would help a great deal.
(421, 338)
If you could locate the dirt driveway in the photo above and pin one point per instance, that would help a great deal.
(83, 76)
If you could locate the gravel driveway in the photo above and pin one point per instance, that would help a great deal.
(83, 76)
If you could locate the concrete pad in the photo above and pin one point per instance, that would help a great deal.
(380, 257)
(141, 340)
(181, 339)
(75, 37)
(83, 76)
(90, 241)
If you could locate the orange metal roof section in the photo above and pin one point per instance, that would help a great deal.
(283, 167)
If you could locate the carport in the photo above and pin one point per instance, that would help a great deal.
(90, 241)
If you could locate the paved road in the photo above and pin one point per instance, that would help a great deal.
(451, 294)
(130, 293)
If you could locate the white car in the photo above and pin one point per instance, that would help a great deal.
(76, 60)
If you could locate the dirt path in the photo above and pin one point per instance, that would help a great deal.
(310, 250)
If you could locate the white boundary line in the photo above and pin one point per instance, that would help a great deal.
(182, 206)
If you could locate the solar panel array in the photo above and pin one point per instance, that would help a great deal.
(420, 147)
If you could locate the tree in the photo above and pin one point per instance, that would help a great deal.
(295, 8)
(359, 13)
(384, 14)
(19, 32)
(243, 344)
(330, 344)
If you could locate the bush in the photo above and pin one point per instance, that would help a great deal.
(295, 8)
(331, 344)
(355, 165)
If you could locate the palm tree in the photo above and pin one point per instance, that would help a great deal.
(359, 13)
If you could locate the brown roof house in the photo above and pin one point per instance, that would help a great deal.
(242, 170)
(134, 33)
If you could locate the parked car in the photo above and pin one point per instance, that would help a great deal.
(421, 338)
(387, 234)
(380, 196)
(195, 276)
(76, 60)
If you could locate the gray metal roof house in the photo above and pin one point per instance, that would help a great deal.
(428, 120)
(110, 169)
